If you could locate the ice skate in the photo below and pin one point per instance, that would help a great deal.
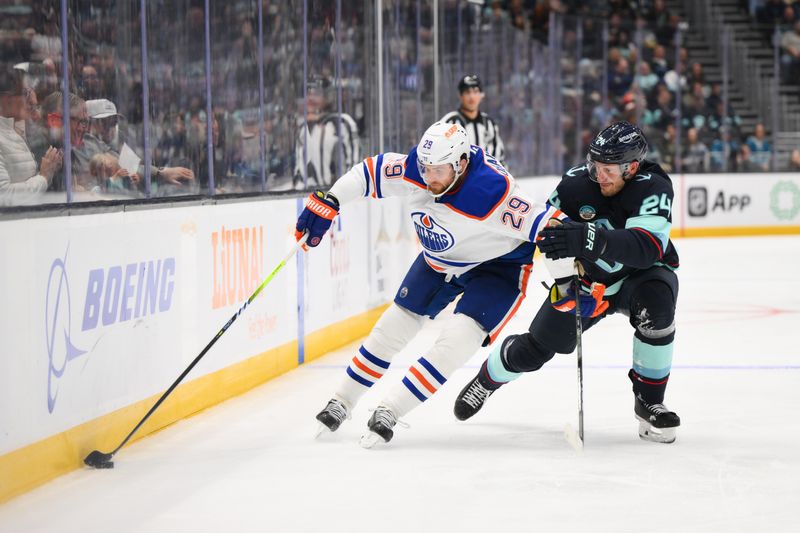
(332, 417)
(380, 427)
(656, 422)
(471, 399)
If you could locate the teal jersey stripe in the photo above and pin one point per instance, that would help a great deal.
(658, 226)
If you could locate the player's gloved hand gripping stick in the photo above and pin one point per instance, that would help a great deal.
(591, 305)
(561, 239)
(317, 217)
(98, 459)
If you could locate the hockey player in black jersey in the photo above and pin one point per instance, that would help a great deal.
(620, 212)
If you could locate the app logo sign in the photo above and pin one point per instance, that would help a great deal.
(698, 201)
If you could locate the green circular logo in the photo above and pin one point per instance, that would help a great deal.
(784, 200)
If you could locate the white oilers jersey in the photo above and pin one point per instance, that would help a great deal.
(485, 216)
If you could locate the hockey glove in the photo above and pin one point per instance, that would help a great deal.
(592, 304)
(572, 239)
(317, 217)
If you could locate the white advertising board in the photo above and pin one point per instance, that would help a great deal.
(103, 310)
(736, 200)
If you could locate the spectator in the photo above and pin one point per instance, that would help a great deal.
(790, 58)
(696, 75)
(744, 161)
(760, 149)
(663, 113)
(663, 145)
(20, 182)
(105, 138)
(108, 176)
(794, 161)
(723, 151)
(602, 114)
(481, 129)
(620, 79)
(696, 155)
(89, 85)
(659, 62)
(714, 98)
(694, 108)
(105, 122)
(719, 119)
(646, 78)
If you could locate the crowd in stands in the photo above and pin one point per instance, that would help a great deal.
(107, 117)
(644, 81)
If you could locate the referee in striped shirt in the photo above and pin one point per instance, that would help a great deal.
(481, 129)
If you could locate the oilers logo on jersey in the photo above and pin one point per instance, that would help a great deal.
(433, 236)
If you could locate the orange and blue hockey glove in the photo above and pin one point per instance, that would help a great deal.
(317, 217)
(592, 304)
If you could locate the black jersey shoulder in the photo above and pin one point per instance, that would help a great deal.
(649, 184)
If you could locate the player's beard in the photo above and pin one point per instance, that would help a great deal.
(436, 188)
(612, 188)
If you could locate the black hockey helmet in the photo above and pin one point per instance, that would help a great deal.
(468, 82)
(619, 143)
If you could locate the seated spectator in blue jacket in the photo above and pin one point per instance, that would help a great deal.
(723, 151)
(760, 149)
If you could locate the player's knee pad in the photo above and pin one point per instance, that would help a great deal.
(459, 340)
(394, 329)
(652, 313)
(525, 354)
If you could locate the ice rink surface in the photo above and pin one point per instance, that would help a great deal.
(251, 464)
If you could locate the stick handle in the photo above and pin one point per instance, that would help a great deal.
(579, 347)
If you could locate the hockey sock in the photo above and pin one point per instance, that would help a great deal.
(391, 333)
(459, 341)
(494, 372)
(651, 391)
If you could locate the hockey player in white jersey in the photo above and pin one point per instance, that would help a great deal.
(476, 229)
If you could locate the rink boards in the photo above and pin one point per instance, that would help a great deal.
(103, 311)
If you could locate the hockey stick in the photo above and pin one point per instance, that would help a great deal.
(576, 440)
(98, 459)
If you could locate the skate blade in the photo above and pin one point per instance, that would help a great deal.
(653, 434)
(320, 430)
(573, 438)
(369, 439)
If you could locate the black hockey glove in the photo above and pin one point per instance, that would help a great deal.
(572, 239)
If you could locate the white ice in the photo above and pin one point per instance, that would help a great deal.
(250, 464)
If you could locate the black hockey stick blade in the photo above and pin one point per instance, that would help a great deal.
(98, 459)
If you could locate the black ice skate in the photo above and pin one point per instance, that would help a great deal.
(656, 422)
(332, 416)
(380, 427)
(471, 399)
